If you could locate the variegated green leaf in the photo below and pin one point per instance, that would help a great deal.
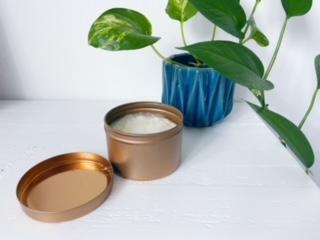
(181, 10)
(121, 29)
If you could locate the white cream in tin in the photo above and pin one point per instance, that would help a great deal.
(142, 123)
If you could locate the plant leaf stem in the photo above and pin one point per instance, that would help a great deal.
(183, 34)
(167, 60)
(214, 32)
(313, 100)
(251, 15)
(245, 40)
(275, 54)
(274, 57)
(198, 63)
(159, 54)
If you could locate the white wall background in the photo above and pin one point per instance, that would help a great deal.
(44, 54)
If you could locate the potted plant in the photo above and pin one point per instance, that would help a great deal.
(202, 94)
(201, 82)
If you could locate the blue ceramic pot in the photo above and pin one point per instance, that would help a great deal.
(203, 95)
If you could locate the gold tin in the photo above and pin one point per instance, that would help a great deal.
(65, 187)
(145, 156)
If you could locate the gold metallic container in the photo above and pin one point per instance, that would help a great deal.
(145, 156)
(65, 187)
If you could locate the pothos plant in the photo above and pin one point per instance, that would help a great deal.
(125, 29)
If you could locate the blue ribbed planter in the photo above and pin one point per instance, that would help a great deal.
(203, 95)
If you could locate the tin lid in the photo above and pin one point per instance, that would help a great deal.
(65, 187)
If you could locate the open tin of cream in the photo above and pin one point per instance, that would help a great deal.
(71, 185)
(144, 156)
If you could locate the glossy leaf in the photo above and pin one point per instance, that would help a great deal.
(226, 14)
(295, 8)
(292, 136)
(257, 35)
(121, 29)
(181, 10)
(233, 60)
(317, 65)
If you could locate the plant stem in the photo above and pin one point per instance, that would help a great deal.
(214, 32)
(275, 54)
(313, 100)
(167, 60)
(251, 15)
(182, 33)
(245, 40)
(198, 63)
(159, 54)
(273, 59)
(261, 98)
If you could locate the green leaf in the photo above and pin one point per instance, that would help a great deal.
(181, 10)
(257, 35)
(293, 137)
(294, 8)
(121, 29)
(317, 65)
(232, 60)
(226, 14)
(260, 38)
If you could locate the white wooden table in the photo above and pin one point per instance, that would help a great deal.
(236, 181)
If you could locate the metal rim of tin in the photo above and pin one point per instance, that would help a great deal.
(59, 164)
(165, 110)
